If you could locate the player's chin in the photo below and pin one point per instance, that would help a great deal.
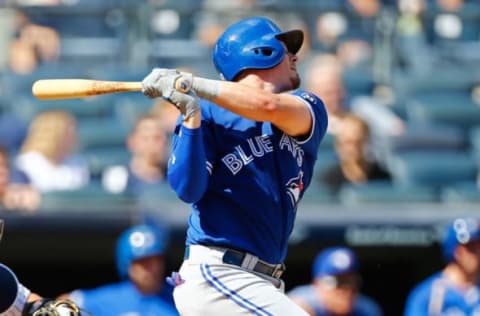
(295, 81)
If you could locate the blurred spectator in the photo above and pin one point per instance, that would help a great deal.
(454, 290)
(140, 260)
(349, 31)
(48, 154)
(325, 78)
(148, 145)
(455, 20)
(215, 15)
(335, 287)
(412, 37)
(33, 45)
(355, 164)
(16, 193)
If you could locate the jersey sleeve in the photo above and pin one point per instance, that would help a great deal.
(320, 120)
(189, 166)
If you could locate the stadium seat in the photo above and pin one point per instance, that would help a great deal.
(384, 192)
(468, 192)
(129, 106)
(475, 143)
(326, 159)
(101, 157)
(453, 108)
(90, 198)
(431, 168)
(421, 137)
(327, 144)
(101, 133)
(318, 194)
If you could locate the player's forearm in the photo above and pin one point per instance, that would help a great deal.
(187, 172)
(249, 102)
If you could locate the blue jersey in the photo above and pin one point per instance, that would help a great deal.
(124, 299)
(256, 177)
(439, 296)
(364, 306)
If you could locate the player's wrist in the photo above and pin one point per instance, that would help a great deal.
(206, 88)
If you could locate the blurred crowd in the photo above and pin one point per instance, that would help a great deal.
(394, 75)
(399, 79)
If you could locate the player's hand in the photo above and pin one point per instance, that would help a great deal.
(161, 80)
(187, 103)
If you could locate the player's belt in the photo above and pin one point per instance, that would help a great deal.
(246, 261)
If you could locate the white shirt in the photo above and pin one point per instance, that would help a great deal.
(71, 174)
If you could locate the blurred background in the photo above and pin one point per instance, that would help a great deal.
(402, 154)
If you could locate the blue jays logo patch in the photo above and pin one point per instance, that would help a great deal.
(309, 97)
(294, 188)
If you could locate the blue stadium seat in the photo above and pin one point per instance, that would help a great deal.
(468, 192)
(327, 144)
(318, 194)
(384, 192)
(421, 137)
(129, 106)
(27, 107)
(326, 159)
(444, 108)
(92, 197)
(475, 143)
(101, 133)
(443, 79)
(431, 168)
(102, 157)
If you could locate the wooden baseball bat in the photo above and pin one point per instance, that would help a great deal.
(54, 89)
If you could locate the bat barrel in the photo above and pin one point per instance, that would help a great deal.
(50, 89)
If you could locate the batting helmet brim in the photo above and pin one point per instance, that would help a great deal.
(293, 40)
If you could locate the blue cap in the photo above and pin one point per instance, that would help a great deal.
(460, 231)
(139, 242)
(334, 261)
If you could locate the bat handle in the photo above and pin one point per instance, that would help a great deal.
(183, 84)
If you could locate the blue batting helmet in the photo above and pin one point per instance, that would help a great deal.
(460, 232)
(138, 242)
(334, 261)
(253, 43)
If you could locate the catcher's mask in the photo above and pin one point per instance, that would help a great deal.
(53, 307)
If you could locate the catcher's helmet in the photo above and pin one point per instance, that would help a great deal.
(334, 261)
(253, 43)
(138, 242)
(460, 231)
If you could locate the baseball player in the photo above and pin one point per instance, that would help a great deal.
(335, 287)
(140, 264)
(242, 156)
(455, 290)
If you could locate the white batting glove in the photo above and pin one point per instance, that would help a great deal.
(187, 103)
(158, 81)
